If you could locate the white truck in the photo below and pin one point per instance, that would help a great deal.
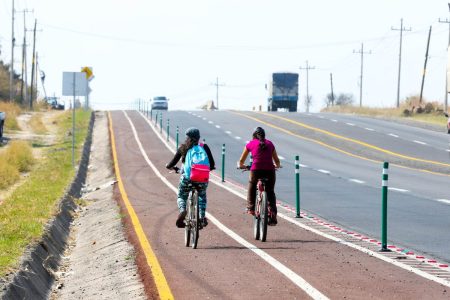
(2, 122)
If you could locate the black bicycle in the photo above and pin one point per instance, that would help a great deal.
(192, 220)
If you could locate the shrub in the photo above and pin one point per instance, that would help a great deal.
(429, 107)
(20, 155)
(8, 173)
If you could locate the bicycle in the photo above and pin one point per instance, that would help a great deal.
(192, 219)
(262, 211)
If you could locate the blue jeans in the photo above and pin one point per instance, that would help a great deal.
(183, 193)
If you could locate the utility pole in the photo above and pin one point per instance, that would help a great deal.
(307, 68)
(446, 71)
(11, 67)
(401, 29)
(332, 93)
(425, 66)
(361, 76)
(217, 91)
(33, 66)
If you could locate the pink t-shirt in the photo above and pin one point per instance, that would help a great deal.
(262, 159)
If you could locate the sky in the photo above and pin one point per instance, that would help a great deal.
(139, 49)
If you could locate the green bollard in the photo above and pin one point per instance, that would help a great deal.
(178, 130)
(384, 208)
(168, 121)
(297, 186)
(156, 119)
(160, 123)
(223, 163)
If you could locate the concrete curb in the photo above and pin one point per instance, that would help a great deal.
(36, 275)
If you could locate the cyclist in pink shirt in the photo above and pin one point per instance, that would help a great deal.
(265, 161)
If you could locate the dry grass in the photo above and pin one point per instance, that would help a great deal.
(19, 154)
(409, 109)
(37, 124)
(12, 111)
(8, 173)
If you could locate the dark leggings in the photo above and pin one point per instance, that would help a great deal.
(270, 186)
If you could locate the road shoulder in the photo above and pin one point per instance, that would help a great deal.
(99, 261)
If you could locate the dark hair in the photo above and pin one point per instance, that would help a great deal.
(188, 144)
(260, 134)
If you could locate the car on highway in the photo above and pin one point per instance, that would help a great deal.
(2, 123)
(160, 102)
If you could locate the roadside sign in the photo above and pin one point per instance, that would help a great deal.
(88, 72)
(74, 84)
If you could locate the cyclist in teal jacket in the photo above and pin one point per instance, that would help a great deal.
(192, 139)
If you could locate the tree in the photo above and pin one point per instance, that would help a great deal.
(344, 99)
(329, 101)
(308, 101)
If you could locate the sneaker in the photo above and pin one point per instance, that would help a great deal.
(204, 222)
(272, 220)
(250, 212)
(180, 219)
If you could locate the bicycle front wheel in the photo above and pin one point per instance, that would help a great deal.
(187, 228)
(264, 216)
(195, 221)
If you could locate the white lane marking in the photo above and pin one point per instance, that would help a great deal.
(316, 231)
(448, 150)
(443, 201)
(229, 132)
(357, 181)
(303, 166)
(393, 135)
(419, 142)
(238, 137)
(370, 129)
(189, 112)
(309, 114)
(321, 117)
(288, 273)
(350, 124)
(217, 126)
(324, 171)
(199, 116)
(210, 122)
(367, 251)
(204, 119)
(281, 157)
(334, 120)
(398, 190)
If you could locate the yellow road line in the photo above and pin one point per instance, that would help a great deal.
(357, 141)
(332, 147)
(158, 275)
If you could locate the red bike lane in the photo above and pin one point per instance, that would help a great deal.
(221, 266)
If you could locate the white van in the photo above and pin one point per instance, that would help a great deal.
(160, 102)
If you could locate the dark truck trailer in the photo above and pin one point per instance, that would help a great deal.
(283, 92)
(2, 123)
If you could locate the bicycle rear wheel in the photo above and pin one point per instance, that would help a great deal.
(257, 219)
(195, 221)
(187, 228)
(264, 216)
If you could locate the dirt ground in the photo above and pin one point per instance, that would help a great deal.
(99, 262)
